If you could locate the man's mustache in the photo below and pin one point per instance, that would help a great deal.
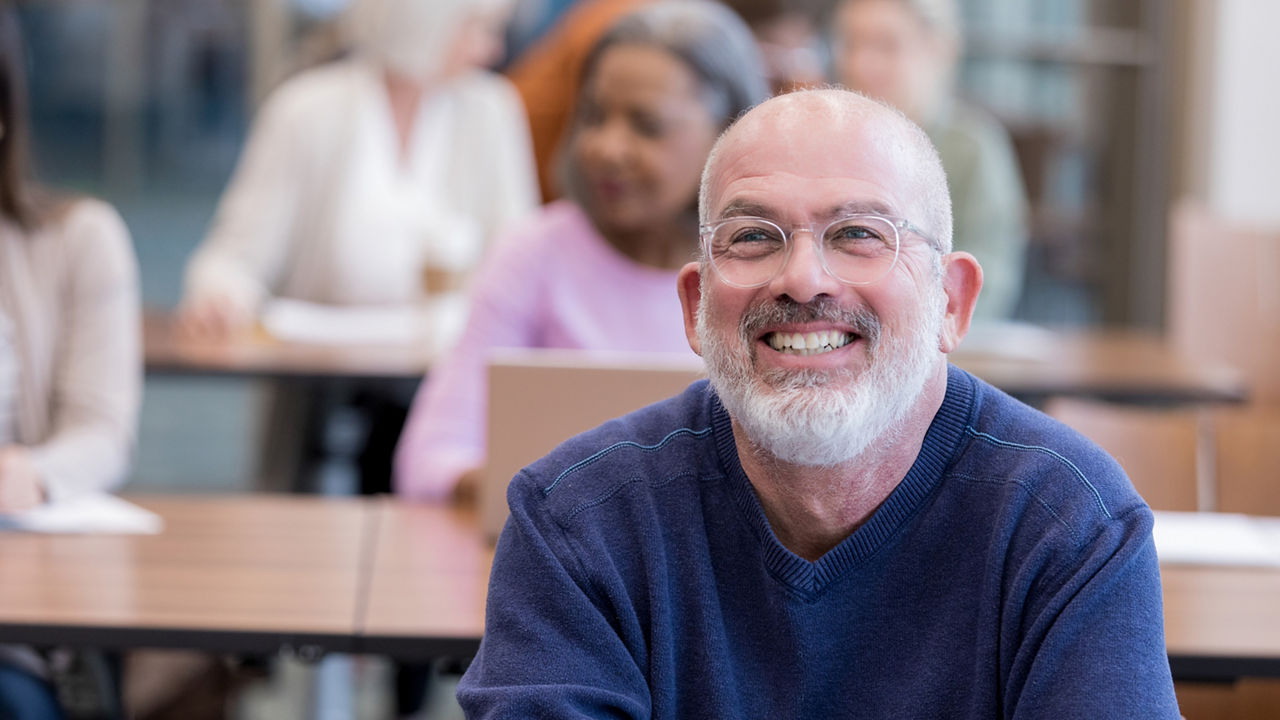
(821, 309)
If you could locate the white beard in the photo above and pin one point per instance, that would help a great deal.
(824, 418)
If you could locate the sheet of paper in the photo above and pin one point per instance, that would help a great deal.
(303, 322)
(88, 513)
(1202, 538)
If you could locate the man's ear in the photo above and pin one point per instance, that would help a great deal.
(689, 285)
(961, 281)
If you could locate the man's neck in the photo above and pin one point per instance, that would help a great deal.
(812, 509)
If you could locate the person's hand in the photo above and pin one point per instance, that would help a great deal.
(20, 485)
(212, 318)
(466, 493)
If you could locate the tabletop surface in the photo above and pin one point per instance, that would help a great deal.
(257, 572)
(420, 549)
(257, 354)
(1119, 365)
(1222, 622)
(245, 570)
(260, 572)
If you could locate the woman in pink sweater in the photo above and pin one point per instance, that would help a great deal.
(596, 272)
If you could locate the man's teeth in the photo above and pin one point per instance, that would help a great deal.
(809, 343)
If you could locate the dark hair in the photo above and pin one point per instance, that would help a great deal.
(15, 200)
(763, 12)
(706, 36)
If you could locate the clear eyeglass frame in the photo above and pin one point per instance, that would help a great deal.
(897, 226)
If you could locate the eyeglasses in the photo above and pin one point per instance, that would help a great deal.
(857, 249)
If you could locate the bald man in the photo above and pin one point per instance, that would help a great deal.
(838, 523)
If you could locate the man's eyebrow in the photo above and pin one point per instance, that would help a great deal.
(742, 208)
(860, 206)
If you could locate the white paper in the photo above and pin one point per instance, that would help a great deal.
(303, 322)
(1203, 538)
(85, 513)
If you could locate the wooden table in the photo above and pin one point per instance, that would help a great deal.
(427, 584)
(260, 574)
(1222, 622)
(257, 574)
(258, 355)
(246, 574)
(1118, 365)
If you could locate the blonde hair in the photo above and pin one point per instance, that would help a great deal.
(410, 34)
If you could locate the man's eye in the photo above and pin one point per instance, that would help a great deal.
(856, 238)
(854, 232)
(748, 242)
(754, 236)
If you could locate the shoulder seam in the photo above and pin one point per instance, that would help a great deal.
(587, 505)
(626, 443)
(1075, 535)
(1051, 453)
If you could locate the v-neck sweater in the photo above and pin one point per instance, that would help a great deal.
(1011, 573)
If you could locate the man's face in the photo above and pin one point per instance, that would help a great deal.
(878, 343)
(885, 51)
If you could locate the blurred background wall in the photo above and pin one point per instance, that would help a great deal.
(1230, 146)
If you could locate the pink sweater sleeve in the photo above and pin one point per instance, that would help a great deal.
(444, 435)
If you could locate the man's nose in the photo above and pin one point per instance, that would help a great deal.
(803, 277)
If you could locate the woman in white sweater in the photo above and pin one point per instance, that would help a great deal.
(374, 180)
(70, 358)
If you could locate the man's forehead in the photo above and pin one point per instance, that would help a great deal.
(799, 144)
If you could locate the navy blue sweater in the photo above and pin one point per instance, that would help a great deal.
(1010, 575)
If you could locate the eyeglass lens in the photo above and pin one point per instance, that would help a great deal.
(857, 250)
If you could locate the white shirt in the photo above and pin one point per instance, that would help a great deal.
(322, 208)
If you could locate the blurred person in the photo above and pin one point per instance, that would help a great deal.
(378, 179)
(546, 74)
(70, 350)
(837, 523)
(905, 53)
(789, 40)
(597, 271)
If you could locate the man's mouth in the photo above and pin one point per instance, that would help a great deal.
(811, 343)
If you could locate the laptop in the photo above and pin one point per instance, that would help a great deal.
(540, 398)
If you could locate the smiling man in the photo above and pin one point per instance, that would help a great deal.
(838, 524)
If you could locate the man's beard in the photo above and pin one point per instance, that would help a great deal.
(829, 417)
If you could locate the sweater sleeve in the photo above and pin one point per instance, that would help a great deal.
(513, 191)
(248, 243)
(97, 379)
(1093, 639)
(444, 435)
(550, 648)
